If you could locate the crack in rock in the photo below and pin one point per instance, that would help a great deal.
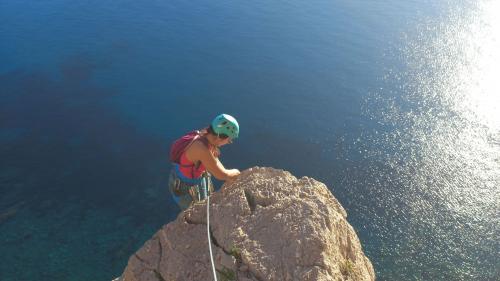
(158, 275)
(142, 261)
(238, 260)
(160, 253)
(254, 201)
(250, 200)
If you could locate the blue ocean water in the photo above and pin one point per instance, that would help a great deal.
(392, 104)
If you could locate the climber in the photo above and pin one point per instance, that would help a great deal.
(195, 157)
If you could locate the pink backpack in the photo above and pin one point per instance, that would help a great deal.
(180, 145)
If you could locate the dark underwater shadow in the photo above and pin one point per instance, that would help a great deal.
(68, 157)
(73, 144)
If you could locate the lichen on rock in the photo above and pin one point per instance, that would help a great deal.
(267, 225)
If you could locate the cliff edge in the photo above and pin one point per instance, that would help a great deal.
(267, 225)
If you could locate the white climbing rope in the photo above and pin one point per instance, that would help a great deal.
(208, 234)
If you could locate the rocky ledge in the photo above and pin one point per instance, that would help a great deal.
(267, 225)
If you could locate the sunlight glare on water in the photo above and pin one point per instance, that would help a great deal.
(482, 85)
(441, 146)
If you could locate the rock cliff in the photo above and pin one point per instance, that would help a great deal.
(267, 225)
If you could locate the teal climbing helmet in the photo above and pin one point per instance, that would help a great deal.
(225, 124)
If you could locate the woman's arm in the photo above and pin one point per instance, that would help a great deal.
(199, 152)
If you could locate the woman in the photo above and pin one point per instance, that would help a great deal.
(199, 158)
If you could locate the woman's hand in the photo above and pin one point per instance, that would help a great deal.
(232, 174)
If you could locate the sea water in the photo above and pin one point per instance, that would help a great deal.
(393, 104)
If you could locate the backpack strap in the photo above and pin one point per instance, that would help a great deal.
(198, 136)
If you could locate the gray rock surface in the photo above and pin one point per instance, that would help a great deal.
(267, 225)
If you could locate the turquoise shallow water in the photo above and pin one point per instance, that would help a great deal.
(394, 105)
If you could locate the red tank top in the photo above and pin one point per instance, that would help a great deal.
(188, 168)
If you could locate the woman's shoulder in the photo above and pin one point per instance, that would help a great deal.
(200, 144)
(196, 150)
